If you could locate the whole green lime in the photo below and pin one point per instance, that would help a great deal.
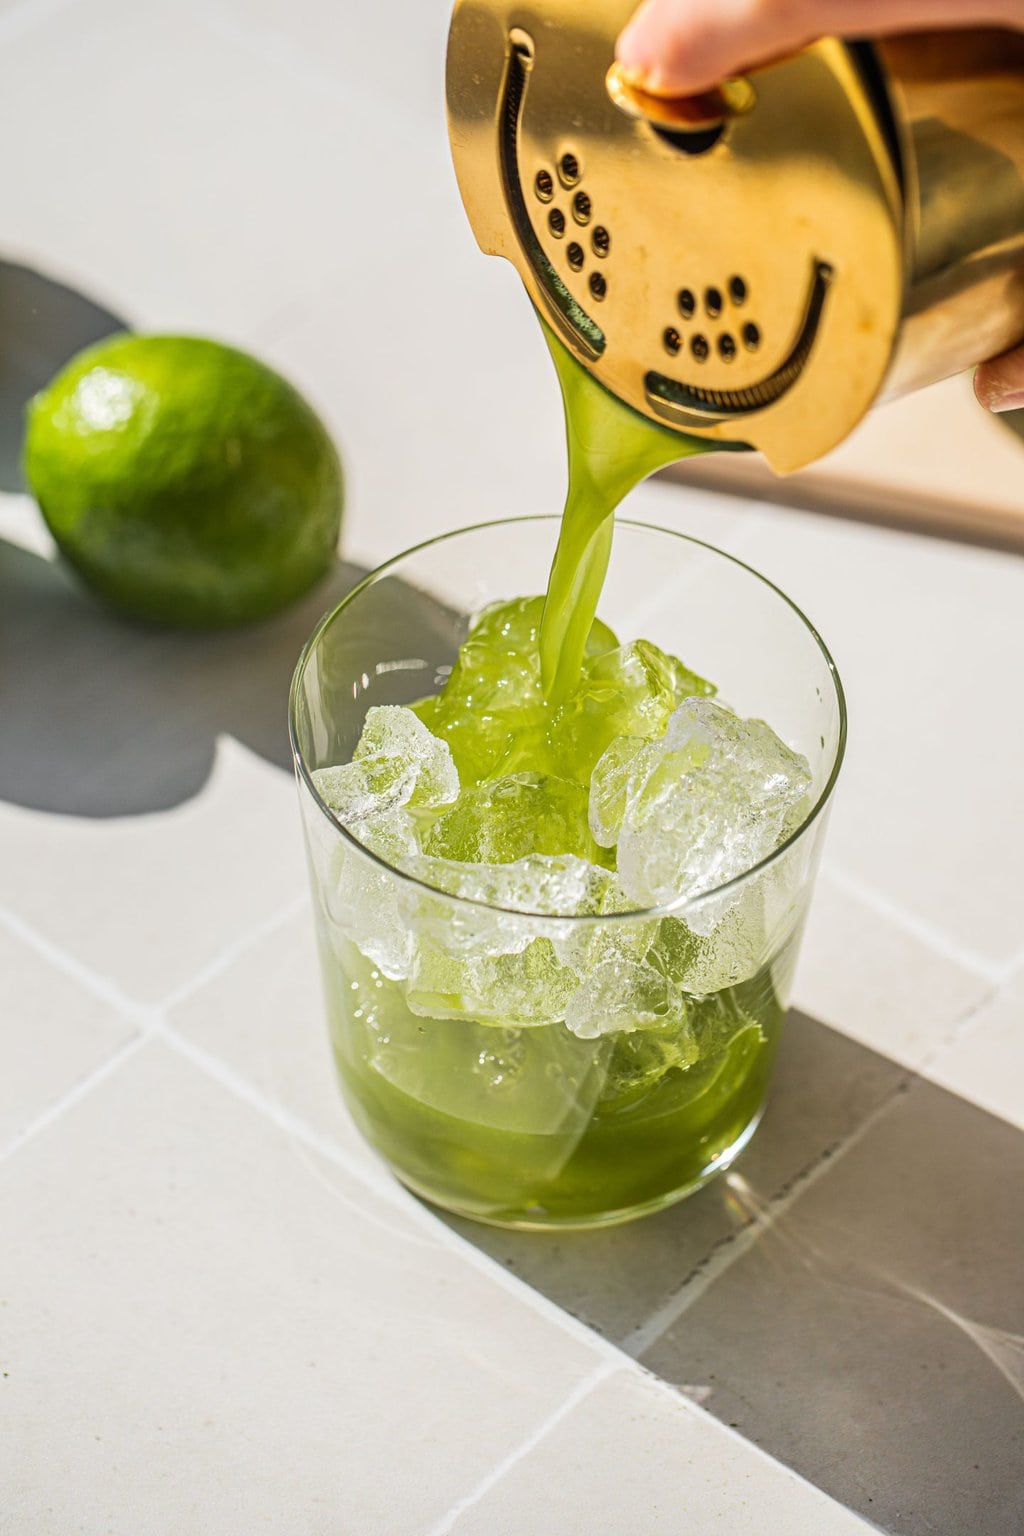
(186, 482)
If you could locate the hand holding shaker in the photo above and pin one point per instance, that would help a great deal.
(761, 263)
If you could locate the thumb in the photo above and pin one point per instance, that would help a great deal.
(999, 384)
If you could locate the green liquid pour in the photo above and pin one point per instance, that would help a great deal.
(534, 1126)
(611, 449)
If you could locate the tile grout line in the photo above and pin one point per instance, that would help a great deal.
(1014, 966)
(109, 993)
(615, 1360)
(537, 1302)
(390, 1189)
(148, 1022)
(919, 928)
(751, 1448)
(92, 981)
(725, 1254)
(732, 1248)
(960, 1029)
(81, 1090)
(151, 1023)
(233, 951)
(581, 1391)
(232, 1082)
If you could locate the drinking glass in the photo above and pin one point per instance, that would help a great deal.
(446, 1014)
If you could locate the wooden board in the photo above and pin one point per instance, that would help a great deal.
(934, 461)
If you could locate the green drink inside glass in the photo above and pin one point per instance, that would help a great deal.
(556, 983)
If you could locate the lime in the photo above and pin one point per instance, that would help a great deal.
(186, 482)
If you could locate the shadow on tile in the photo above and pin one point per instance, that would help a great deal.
(43, 324)
(864, 1325)
(103, 717)
(874, 1337)
(619, 1279)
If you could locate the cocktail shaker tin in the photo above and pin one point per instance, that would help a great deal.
(761, 263)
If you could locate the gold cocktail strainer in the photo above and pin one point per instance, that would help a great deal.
(761, 263)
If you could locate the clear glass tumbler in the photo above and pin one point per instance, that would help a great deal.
(524, 1123)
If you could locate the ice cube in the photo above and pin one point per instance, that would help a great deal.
(484, 920)
(562, 886)
(609, 787)
(629, 691)
(721, 1022)
(732, 951)
(559, 885)
(541, 1083)
(523, 990)
(494, 965)
(364, 900)
(393, 732)
(508, 818)
(355, 791)
(622, 937)
(622, 995)
(705, 802)
(641, 1060)
(396, 762)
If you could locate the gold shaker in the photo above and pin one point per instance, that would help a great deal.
(762, 263)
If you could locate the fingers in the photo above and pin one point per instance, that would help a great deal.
(676, 47)
(681, 46)
(999, 384)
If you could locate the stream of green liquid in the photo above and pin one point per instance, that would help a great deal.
(611, 449)
(532, 1126)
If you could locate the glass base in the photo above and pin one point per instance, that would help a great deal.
(539, 1222)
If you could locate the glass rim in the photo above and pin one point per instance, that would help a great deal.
(681, 905)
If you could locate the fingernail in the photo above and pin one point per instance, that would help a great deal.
(1007, 403)
(637, 78)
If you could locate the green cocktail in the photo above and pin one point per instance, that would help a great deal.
(555, 981)
(533, 1127)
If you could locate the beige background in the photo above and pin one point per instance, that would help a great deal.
(934, 460)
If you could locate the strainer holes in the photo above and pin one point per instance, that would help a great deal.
(598, 286)
(581, 208)
(556, 223)
(544, 186)
(671, 340)
(574, 253)
(568, 170)
(751, 337)
(700, 348)
(726, 347)
(687, 304)
(601, 241)
(713, 302)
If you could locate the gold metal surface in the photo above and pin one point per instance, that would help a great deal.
(706, 109)
(958, 102)
(758, 275)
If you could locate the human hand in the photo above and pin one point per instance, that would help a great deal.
(680, 47)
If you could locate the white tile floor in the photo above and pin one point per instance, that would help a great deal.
(56, 1032)
(69, 879)
(986, 1062)
(217, 1313)
(696, 1475)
